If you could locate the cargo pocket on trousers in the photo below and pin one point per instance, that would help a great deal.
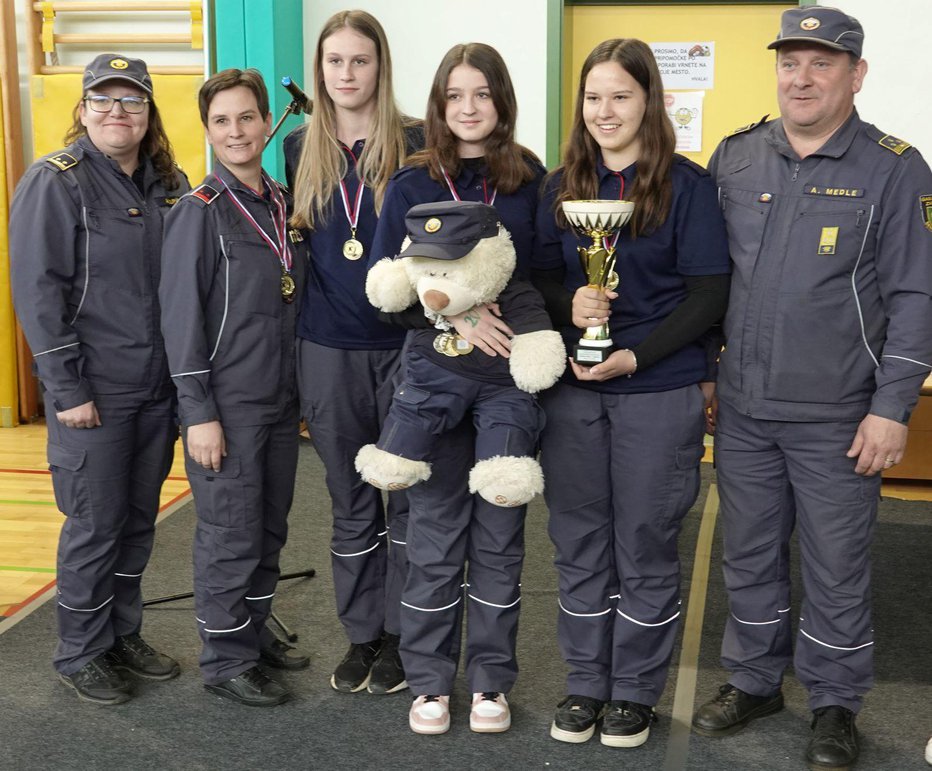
(219, 496)
(684, 484)
(69, 480)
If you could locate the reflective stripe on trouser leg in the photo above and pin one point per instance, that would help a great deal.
(575, 447)
(655, 455)
(241, 527)
(91, 474)
(156, 433)
(758, 514)
(836, 515)
(493, 595)
(344, 398)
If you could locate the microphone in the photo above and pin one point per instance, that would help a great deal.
(301, 100)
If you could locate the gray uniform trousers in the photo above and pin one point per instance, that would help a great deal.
(345, 395)
(107, 482)
(448, 528)
(242, 524)
(774, 475)
(621, 472)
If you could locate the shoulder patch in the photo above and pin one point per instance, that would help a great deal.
(62, 161)
(925, 209)
(893, 144)
(749, 127)
(205, 193)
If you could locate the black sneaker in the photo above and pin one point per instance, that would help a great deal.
(134, 655)
(98, 683)
(388, 673)
(575, 719)
(732, 710)
(352, 674)
(254, 688)
(281, 655)
(834, 743)
(626, 724)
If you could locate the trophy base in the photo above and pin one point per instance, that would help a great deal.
(588, 353)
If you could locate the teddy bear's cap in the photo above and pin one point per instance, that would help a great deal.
(448, 230)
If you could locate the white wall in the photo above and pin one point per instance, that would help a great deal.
(420, 32)
(897, 93)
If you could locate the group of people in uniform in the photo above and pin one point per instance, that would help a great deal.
(238, 307)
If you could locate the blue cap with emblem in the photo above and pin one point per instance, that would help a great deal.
(821, 25)
(448, 230)
(115, 67)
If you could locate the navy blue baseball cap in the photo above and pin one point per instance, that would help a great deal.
(822, 25)
(448, 230)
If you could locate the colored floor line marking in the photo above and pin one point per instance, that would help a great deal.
(19, 569)
(29, 503)
(684, 698)
(24, 471)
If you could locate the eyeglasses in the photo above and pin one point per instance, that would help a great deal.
(103, 103)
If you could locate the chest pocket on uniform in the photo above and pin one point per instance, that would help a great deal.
(116, 251)
(746, 214)
(826, 244)
(254, 277)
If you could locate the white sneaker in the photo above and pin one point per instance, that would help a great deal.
(490, 713)
(929, 752)
(430, 715)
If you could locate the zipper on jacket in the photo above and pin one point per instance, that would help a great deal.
(795, 172)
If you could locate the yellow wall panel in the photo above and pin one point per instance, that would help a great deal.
(745, 86)
(54, 98)
(9, 411)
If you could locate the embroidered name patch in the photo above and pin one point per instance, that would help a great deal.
(835, 192)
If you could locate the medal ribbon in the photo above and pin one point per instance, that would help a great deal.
(278, 221)
(352, 216)
(621, 196)
(456, 197)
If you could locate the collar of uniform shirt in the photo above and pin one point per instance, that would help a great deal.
(836, 146)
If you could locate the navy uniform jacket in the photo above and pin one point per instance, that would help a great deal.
(831, 298)
(84, 247)
(413, 185)
(691, 242)
(336, 312)
(230, 337)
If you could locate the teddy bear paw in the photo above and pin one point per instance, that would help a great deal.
(507, 481)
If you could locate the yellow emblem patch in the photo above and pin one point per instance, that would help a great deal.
(433, 225)
(925, 206)
(810, 23)
(892, 143)
(828, 240)
(119, 64)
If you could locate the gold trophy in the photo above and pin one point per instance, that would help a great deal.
(598, 220)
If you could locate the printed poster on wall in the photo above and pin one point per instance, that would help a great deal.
(685, 111)
(685, 65)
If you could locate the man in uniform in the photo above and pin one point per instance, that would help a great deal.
(829, 337)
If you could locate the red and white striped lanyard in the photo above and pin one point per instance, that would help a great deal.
(279, 244)
(456, 197)
(352, 216)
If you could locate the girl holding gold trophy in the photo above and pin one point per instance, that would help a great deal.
(623, 440)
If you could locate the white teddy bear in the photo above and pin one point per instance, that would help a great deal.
(458, 256)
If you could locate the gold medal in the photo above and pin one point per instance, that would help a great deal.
(352, 249)
(443, 343)
(462, 345)
(288, 288)
(613, 281)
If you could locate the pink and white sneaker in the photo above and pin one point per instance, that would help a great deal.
(490, 713)
(430, 715)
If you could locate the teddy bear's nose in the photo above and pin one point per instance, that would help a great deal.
(435, 300)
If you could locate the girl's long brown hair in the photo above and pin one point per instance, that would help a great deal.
(323, 164)
(652, 189)
(507, 161)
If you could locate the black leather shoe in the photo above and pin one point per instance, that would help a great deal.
(626, 724)
(97, 682)
(134, 655)
(352, 674)
(388, 673)
(253, 688)
(575, 719)
(281, 655)
(834, 742)
(732, 710)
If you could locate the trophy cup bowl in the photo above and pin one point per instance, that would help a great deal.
(598, 220)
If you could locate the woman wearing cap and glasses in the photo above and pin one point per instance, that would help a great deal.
(85, 239)
(471, 155)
